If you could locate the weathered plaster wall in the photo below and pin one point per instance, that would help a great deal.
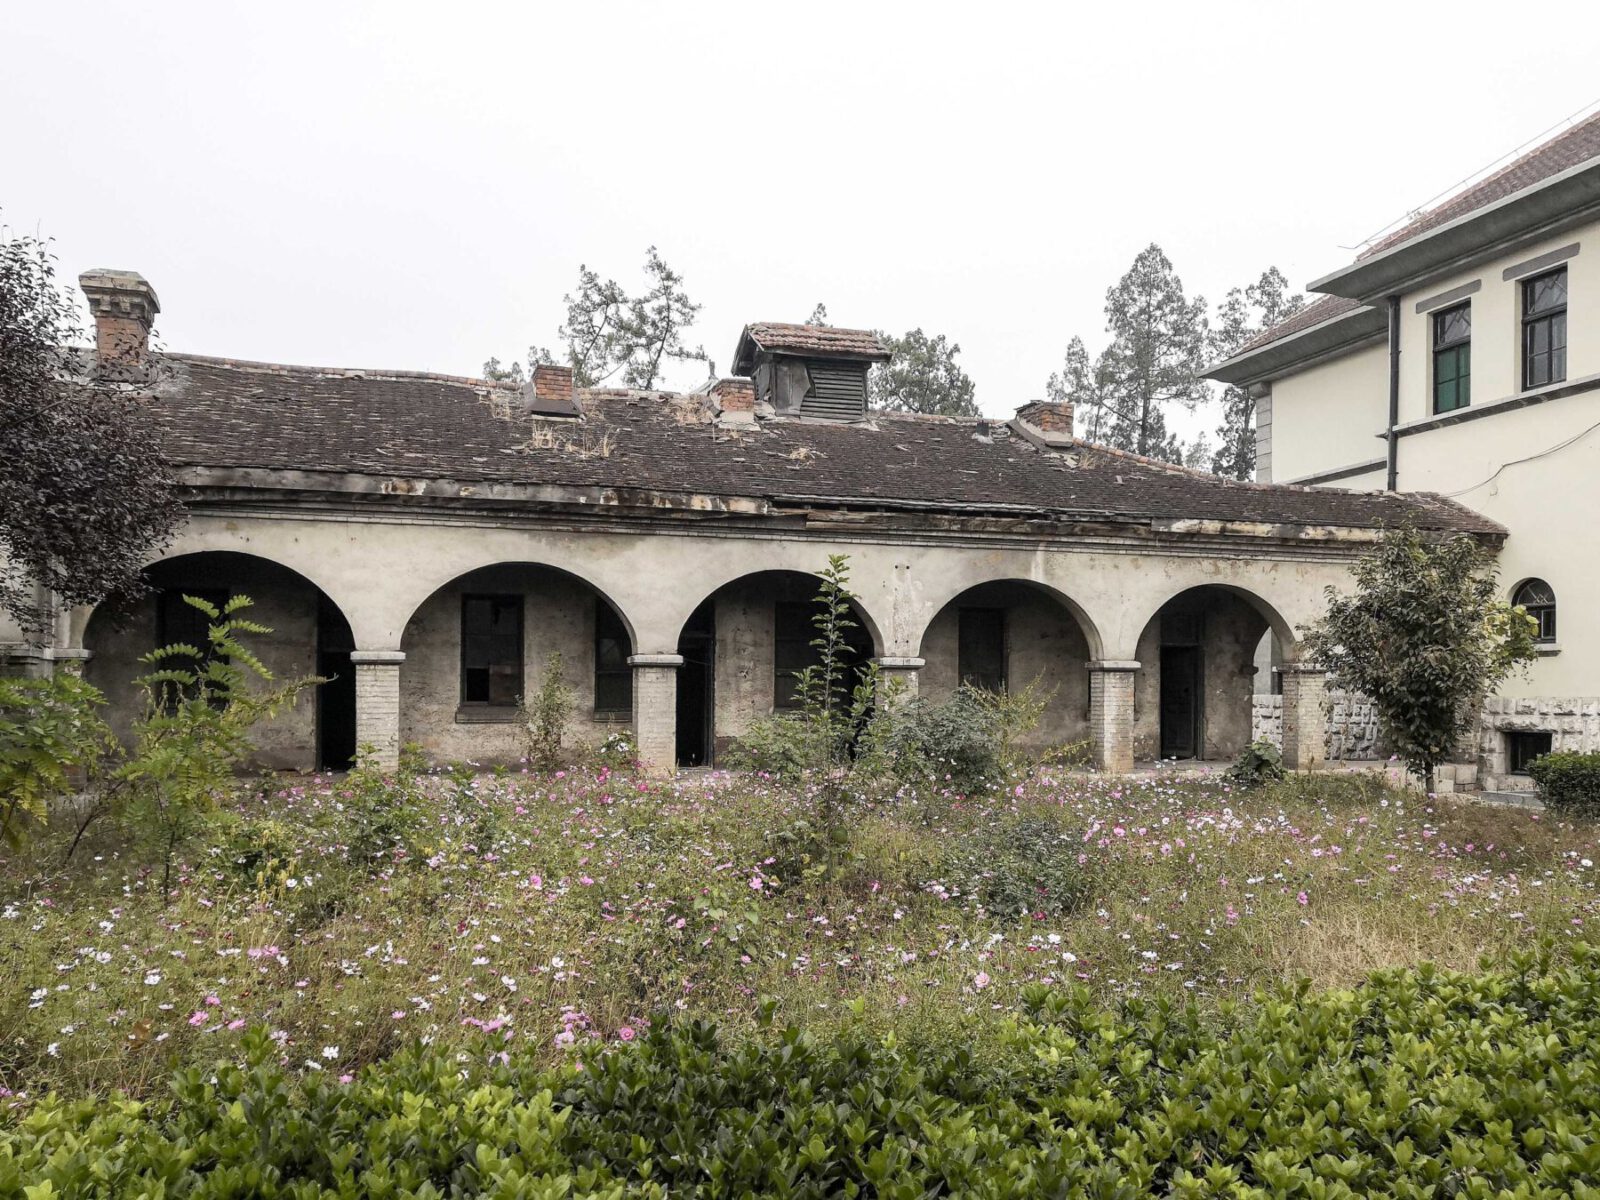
(1043, 642)
(558, 614)
(286, 605)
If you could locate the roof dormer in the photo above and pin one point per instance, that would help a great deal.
(814, 371)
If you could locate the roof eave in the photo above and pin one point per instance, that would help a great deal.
(1326, 339)
(1541, 209)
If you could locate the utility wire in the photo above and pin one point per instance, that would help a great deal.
(1519, 461)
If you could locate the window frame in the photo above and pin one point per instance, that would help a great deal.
(518, 604)
(1547, 318)
(1517, 756)
(1545, 614)
(1456, 351)
(604, 616)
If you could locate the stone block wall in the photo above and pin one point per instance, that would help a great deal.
(1573, 723)
(1352, 725)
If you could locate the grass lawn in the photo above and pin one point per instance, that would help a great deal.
(549, 914)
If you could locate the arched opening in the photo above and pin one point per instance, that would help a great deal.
(1008, 635)
(483, 643)
(741, 648)
(1193, 698)
(310, 637)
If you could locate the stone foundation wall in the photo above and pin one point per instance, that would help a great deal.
(1352, 725)
(1573, 723)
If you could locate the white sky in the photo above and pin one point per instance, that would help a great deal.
(414, 185)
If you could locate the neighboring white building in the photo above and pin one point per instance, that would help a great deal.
(1460, 356)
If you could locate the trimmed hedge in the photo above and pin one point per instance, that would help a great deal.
(1419, 1084)
(1568, 782)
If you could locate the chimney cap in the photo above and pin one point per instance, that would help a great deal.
(126, 289)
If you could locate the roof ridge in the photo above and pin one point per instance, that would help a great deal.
(1453, 198)
(245, 364)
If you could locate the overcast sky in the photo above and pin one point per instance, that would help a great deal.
(415, 185)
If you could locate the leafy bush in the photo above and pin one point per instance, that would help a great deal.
(1023, 867)
(955, 740)
(50, 734)
(1423, 1083)
(1569, 782)
(784, 744)
(545, 716)
(1260, 762)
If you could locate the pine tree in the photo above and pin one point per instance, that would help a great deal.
(922, 376)
(1241, 317)
(1157, 350)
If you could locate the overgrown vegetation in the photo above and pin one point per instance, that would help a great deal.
(545, 716)
(85, 495)
(1426, 635)
(1568, 782)
(1260, 762)
(1417, 1084)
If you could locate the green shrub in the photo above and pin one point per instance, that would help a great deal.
(1024, 866)
(1260, 762)
(545, 715)
(50, 735)
(1419, 1083)
(785, 745)
(1569, 782)
(955, 741)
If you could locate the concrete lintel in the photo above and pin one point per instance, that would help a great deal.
(68, 654)
(655, 660)
(889, 663)
(1114, 664)
(391, 658)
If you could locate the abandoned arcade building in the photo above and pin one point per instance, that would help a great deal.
(427, 542)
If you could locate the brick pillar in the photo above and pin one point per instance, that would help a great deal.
(1111, 714)
(1305, 716)
(655, 709)
(378, 703)
(903, 672)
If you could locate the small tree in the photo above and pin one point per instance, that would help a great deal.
(200, 705)
(545, 716)
(1426, 637)
(85, 496)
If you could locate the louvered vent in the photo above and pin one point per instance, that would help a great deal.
(838, 391)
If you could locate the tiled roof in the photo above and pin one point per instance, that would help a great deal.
(1576, 145)
(214, 413)
(821, 340)
(1325, 308)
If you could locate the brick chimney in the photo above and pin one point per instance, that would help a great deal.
(551, 391)
(124, 307)
(735, 400)
(1048, 421)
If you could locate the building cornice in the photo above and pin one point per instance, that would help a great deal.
(1333, 338)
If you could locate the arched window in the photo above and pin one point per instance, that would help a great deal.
(1539, 599)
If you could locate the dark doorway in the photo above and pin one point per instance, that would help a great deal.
(696, 690)
(336, 699)
(1180, 701)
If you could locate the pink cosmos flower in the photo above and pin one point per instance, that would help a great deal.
(981, 980)
(626, 1033)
